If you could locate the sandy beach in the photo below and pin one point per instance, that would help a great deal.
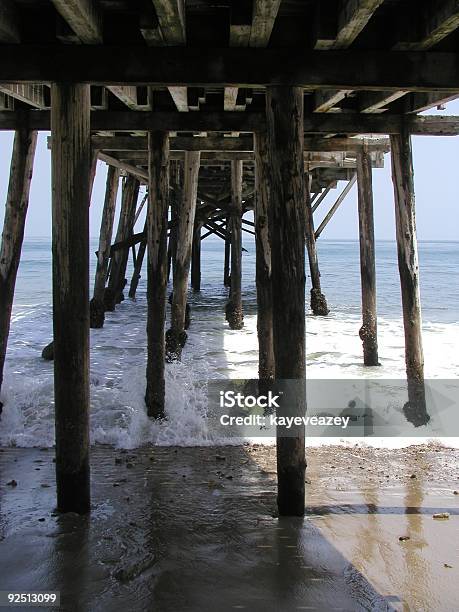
(197, 529)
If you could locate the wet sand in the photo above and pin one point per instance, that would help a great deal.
(196, 529)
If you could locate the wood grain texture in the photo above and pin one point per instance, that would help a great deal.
(97, 309)
(234, 313)
(403, 179)
(16, 206)
(284, 115)
(176, 335)
(369, 330)
(71, 159)
(158, 205)
(266, 368)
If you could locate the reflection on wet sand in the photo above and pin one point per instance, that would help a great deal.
(195, 529)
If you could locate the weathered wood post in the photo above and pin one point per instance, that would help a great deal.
(196, 258)
(284, 113)
(158, 203)
(17, 202)
(319, 305)
(234, 314)
(97, 308)
(403, 179)
(71, 159)
(263, 261)
(176, 335)
(117, 280)
(226, 268)
(369, 330)
(175, 200)
(138, 266)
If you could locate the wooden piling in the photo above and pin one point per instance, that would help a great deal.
(403, 179)
(369, 331)
(196, 258)
(284, 113)
(175, 200)
(263, 261)
(97, 308)
(319, 305)
(234, 314)
(158, 203)
(176, 335)
(117, 280)
(71, 158)
(138, 267)
(227, 264)
(17, 203)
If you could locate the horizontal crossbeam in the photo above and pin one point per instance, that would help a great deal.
(175, 66)
(315, 123)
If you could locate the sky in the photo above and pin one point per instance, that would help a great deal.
(436, 167)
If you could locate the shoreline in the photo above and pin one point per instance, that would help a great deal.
(192, 527)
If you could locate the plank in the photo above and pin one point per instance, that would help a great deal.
(240, 144)
(171, 17)
(84, 17)
(437, 21)
(264, 17)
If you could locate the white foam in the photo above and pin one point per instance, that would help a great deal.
(118, 414)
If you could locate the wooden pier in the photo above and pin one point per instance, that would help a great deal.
(218, 109)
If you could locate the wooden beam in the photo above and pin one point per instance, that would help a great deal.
(84, 17)
(314, 124)
(201, 67)
(180, 97)
(324, 101)
(34, 95)
(9, 23)
(264, 16)
(335, 206)
(353, 18)
(438, 20)
(128, 95)
(129, 168)
(171, 17)
(238, 144)
(71, 159)
(420, 102)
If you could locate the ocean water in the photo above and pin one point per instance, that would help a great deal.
(118, 351)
